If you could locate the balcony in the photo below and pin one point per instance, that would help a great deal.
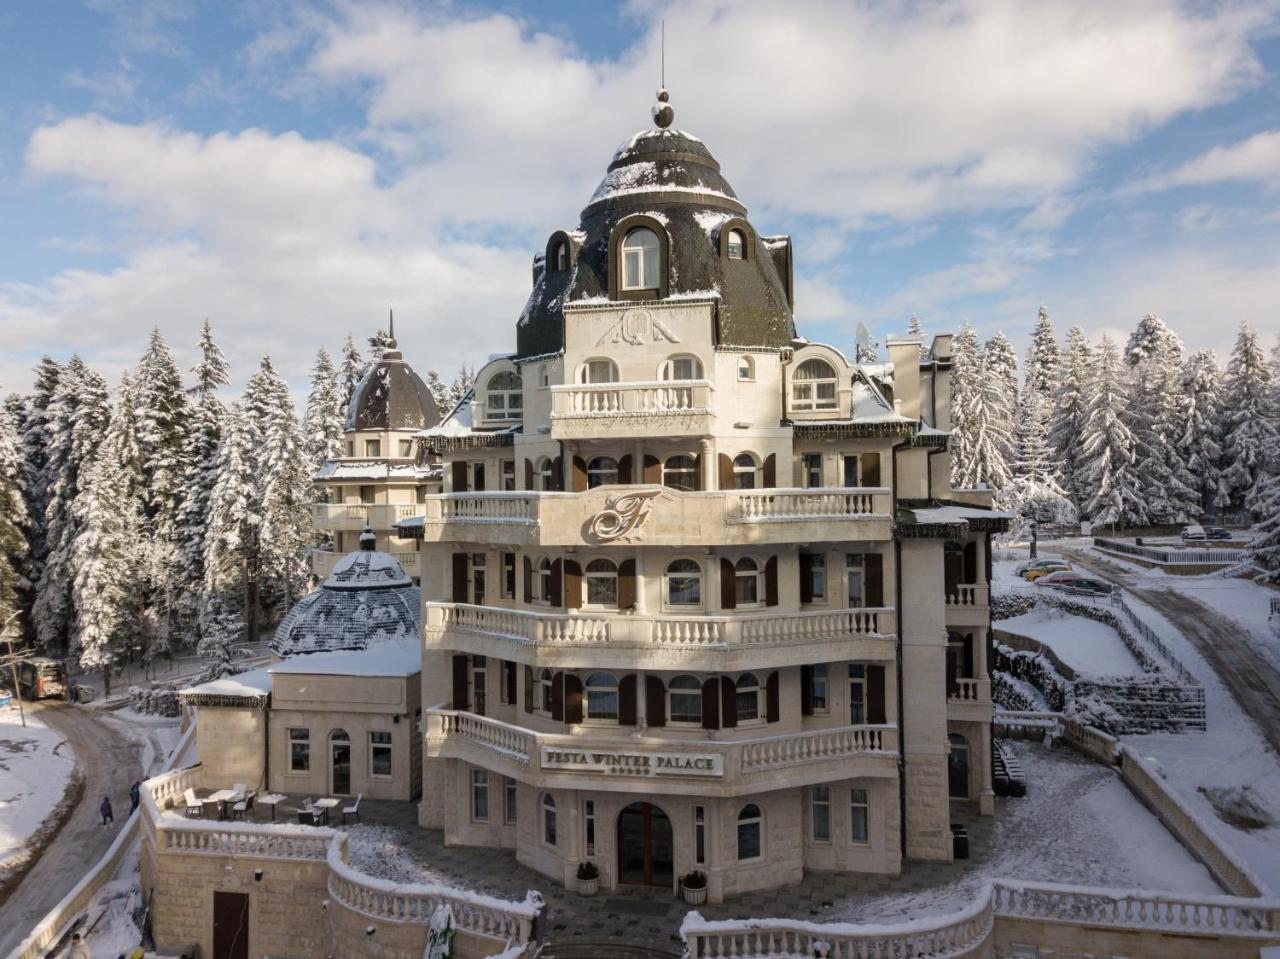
(706, 767)
(658, 516)
(659, 408)
(324, 560)
(969, 605)
(356, 516)
(640, 641)
(969, 700)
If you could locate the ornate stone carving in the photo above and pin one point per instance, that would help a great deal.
(623, 515)
(637, 327)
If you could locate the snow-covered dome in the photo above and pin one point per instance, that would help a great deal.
(367, 599)
(391, 396)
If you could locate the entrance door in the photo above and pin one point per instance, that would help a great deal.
(340, 762)
(958, 767)
(230, 925)
(645, 849)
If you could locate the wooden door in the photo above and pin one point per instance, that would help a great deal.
(230, 925)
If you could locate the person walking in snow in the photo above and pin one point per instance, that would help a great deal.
(135, 796)
(79, 950)
(105, 809)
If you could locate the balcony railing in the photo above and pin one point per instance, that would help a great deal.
(968, 691)
(377, 516)
(452, 732)
(969, 594)
(790, 505)
(650, 408)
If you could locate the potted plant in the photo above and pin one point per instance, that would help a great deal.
(693, 888)
(588, 879)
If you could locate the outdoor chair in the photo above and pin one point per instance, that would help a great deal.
(306, 817)
(353, 810)
(194, 807)
(243, 807)
(238, 789)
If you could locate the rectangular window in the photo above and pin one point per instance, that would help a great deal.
(858, 807)
(812, 469)
(299, 750)
(818, 687)
(406, 449)
(477, 578)
(477, 477)
(813, 573)
(820, 813)
(510, 805)
(373, 447)
(853, 565)
(508, 476)
(508, 575)
(478, 684)
(851, 477)
(857, 694)
(366, 494)
(380, 755)
(479, 795)
(351, 447)
(699, 835)
(589, 826)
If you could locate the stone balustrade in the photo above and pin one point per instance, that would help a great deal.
(656, 408)
(777, 751)
(514, 742)
(970, 594)
(966, 691)
(355, 516)
(790, 505)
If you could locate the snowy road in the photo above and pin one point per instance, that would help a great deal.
(110, 762)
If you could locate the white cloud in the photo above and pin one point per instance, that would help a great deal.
(1256, 159)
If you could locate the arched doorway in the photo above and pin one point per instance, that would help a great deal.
(646, 853)
(340, 763)
(958, 767)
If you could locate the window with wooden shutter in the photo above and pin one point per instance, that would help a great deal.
(460, 577)
(557, 474)
(770, 471)
(528, 474)
(556, 588)
(627, 584)
(728, 703)
(572, 698)
(870, 463)
(728, 583)
(806, 690)
(971, 562)
(726, 471)
(528, 580)
(875, 694)
(711, 704)
(873, 579)
(579, 474)
(460, 476)
(627, 700)
(461, 684)
(509, 677)
(968, 657)
(624, 469)
(528, 689)
(698, 483)
(557, 697)
(772, 698)
(572, 584)
(655, 701)
(771, 581)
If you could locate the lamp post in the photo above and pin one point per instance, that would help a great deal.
(1033, 539)
(13, 664)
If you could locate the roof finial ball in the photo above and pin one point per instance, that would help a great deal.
(663, 112)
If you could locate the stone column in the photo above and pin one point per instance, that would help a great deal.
(986, 794)
(709, 465)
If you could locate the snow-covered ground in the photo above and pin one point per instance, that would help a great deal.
(156, 735)
(35, 764)
(1088, 647)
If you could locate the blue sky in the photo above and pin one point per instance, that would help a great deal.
(290, 169)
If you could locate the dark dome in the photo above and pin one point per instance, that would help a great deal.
(671, 177)
(391, 396)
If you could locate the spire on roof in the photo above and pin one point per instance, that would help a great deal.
(663, 113)
(391, 328)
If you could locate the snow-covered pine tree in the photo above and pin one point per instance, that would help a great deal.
(447, 396)
(33, 442)
(1107, 468)
(379, 343)
(78, 417)
(1066, 428)
(1034, 493)
(349, 372)
(1248, 422)
(993, 417)
(915, 327)
(1043, 369)
(163, 414)
(13, 516)
(322, 424)
(966, 374)
(286, 532)
(213, 370)
(233, 561)
(1200, 445)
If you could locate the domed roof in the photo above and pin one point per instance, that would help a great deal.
(670, 177)
(367, 599)
(391, 396)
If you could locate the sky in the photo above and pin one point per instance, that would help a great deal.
(291, 170)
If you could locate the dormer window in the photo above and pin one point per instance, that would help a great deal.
(640, 252)
(814, 386)
(737, 245)
(504, 397)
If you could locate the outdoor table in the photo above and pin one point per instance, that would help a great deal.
(222, 797)
(324, 805)
(272, 800)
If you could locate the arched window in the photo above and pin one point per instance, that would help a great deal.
(746, 472)
(680, 472)
(560, 257)
(544, 478)
(504, 398)
(684, 700)
(813, 387)
(681, 368)
(737, 245)
(340, 736)
(750, 833)
(684, 583)
(602, 696)
(640, 251)
(749, 699)
(542, 700)
(747, 576)
(602, 583)
(601, 471)
(548, 819)
(598, 371)
(542, 581)
(746, 368)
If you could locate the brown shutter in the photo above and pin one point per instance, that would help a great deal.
(728, 703)
(870, 469)
(652, 470)
(711, 704)
(970, 562)
(557, 697)
(627, 584)
(528, 580)
(572, 584)
(579, 474)
(770, 478)
(557, 583)
(806, 690)
(986, 555)
(728, 588)
(459, 577)
(557, 474)
(459, 476)
(771, 581)
(875, 694)
(624, 469)
(873, 579)
(968, 656)
(572, 698)
(726, 471)
(509, 675)
(461, 665)
(528, 689)
(697, 471)
(655, 701)
(528, 474)
(627, 700)
(806, 578)
(772, 708)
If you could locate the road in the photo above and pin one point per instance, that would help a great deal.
(1251, 678)
(110, 762)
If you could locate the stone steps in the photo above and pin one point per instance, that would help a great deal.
(604, 950)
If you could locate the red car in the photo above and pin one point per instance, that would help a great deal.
(1063, 577)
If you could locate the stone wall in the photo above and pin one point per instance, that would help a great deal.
(231, 742)
(1063, 940)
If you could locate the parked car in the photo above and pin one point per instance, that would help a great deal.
(1063, 577)
(1192, 532)
(1094, 586)
(1021, 570)
(1216, 532)
(1038, 571)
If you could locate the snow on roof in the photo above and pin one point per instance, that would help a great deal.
(394, 657)
(374, 470)
(254, 684)
(955, 514)
(459, 421)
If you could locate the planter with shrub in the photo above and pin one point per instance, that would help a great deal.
(588, 879)
(693, 888)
